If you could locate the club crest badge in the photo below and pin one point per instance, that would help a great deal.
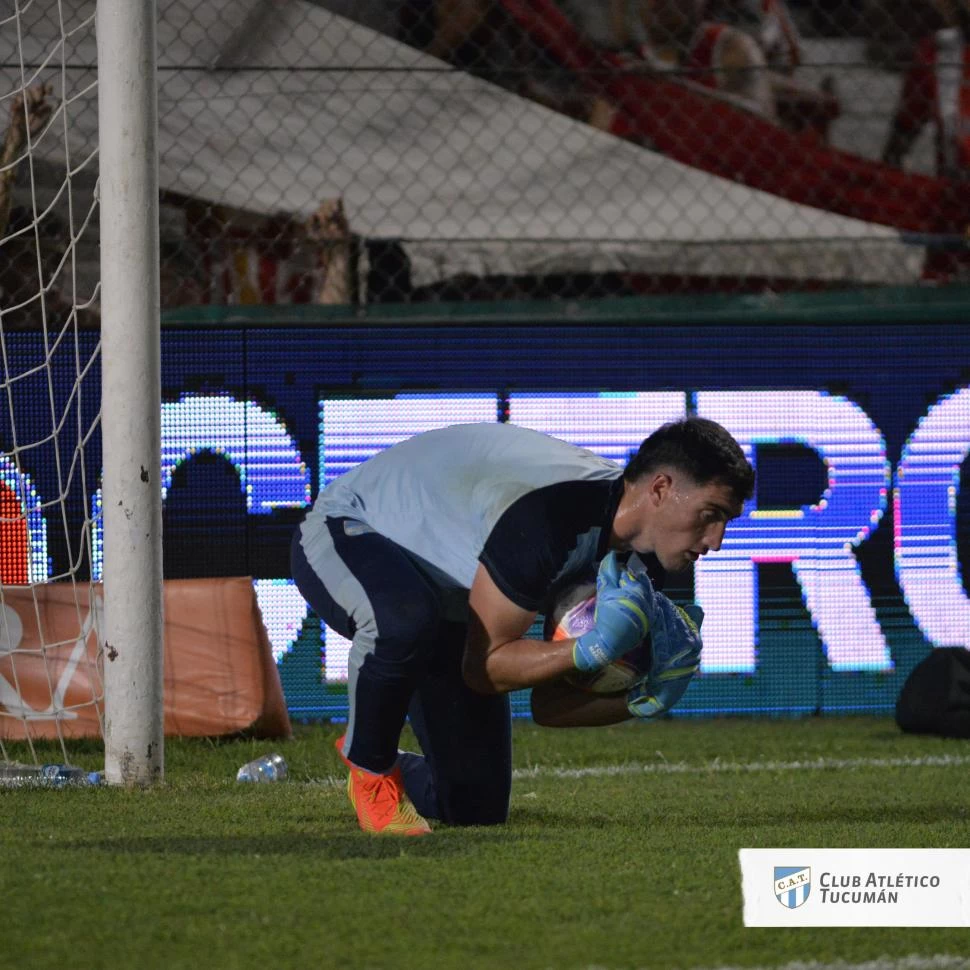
(792, 885)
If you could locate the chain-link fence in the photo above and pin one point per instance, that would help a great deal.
(367, 151)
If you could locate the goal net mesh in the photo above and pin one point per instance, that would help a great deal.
(50, 683)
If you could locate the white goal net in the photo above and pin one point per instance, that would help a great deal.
(52, 614)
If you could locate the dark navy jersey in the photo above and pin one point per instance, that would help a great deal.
(533, 509)
(550, 535)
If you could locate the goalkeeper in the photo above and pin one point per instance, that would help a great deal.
(435, 556)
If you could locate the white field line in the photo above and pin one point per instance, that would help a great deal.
(739, 767)
(720, 767)
(939, 962)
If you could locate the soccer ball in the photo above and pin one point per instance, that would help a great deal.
(570, 615)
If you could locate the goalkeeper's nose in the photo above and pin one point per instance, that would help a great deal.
(713, 538)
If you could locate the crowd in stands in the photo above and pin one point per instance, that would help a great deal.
(739, 51)
(229, 256)
(26, 250)
(746, 54)
(222, 256)
(935, 92)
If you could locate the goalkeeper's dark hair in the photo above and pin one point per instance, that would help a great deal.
(701, 449)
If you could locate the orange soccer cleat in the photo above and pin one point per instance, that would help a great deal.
(382, 806)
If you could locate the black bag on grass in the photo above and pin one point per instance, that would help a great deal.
(936, 696)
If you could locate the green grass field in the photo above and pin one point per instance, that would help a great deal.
(634, 867)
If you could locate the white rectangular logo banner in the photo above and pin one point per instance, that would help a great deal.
(855, 887)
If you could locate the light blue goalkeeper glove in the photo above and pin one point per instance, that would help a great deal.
(676, 640)
(621, 619)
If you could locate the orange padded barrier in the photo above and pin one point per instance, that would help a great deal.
(220, 677)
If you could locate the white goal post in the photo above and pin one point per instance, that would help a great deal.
(131, 391)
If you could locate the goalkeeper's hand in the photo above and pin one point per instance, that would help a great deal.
(624, 603)
(676, 640)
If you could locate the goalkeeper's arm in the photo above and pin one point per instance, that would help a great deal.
(561, 704)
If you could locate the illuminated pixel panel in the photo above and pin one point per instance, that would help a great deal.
(284, 612)
(780, 635)
(23, 529)
(927, 484)
(610, 424)
(818, 539)
(353, 430)
(272, 475)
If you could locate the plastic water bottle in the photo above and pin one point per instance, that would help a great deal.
(271, 767)
(47, 776)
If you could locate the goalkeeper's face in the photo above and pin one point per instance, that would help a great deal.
(673, 517)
